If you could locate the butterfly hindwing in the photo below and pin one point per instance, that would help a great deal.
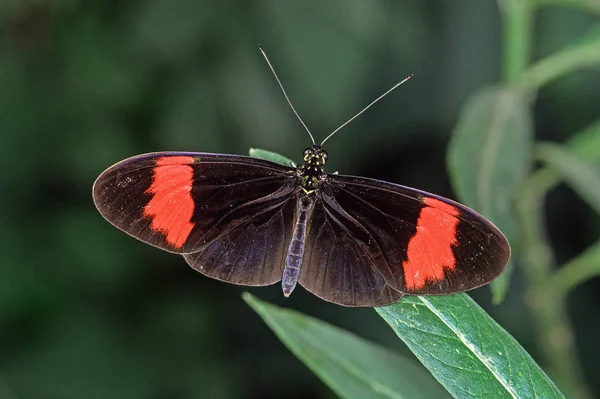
(338, 263)
(251, 252)
(417, 242)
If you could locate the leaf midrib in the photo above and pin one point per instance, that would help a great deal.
(488, 155)
(467, 344)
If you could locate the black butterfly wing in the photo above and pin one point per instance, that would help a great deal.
(248, 246)
(371, 241)
(336, 265)
(227, 214)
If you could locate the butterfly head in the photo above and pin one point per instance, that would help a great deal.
(315, 155)
(311, 172)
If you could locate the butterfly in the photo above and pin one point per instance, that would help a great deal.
(353, 241)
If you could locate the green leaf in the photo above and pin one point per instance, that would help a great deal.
(466, 350)
(582, 177)
(586, 143)
(270, 156)
(489, 156)
(351, 366)
(578, 270)
(584, 53)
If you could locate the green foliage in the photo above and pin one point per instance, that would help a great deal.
(489, 156)
(490, 152)
(465, 349)
(351, 366)
(583, 53)
(270, 156)
(583, 178)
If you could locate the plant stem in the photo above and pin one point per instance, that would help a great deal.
(548, 309)
(517, 32)
(559, 64)
(547, 306)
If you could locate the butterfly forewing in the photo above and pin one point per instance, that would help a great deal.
(181, 202)
(409, 241)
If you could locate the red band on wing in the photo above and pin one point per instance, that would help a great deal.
(429, 251)
(172, 206)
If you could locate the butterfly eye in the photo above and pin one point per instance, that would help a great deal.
(307, 154)
(324, 155)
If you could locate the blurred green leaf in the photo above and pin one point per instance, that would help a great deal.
(579, 269)
(584, 53)
(351, 366)
(465, 349)
(586, 143)
(583, 178)
(587, 5)
(270, 156)
(489, 156)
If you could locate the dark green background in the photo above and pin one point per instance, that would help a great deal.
(88, 312)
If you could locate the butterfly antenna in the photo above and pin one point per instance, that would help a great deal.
(262, 50)
(367, 107)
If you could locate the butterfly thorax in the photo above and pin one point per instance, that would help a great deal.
(311, 172)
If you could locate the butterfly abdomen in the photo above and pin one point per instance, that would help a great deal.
(295, 253)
